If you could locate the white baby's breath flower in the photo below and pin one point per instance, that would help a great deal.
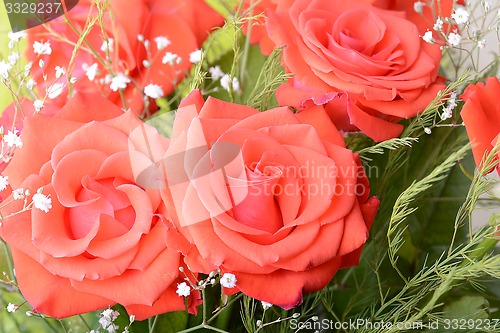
(4, 182)
(162, 42)
(38, 105)
(418, 6)
(120, 81)
(12, 308)
(108, 45)
(16, 36)
(481, 43)
(42, 48)
(30, 84)
(170, 58)
(153, 91)
(5, 69)
(42, 202)
(266, 306)
(216, 72)
(438, 26)
(12, 139)
(18, 194)
(460, 15)
(428, 37)
(427, 130)
(41, 63)
(13, 58)
(55, 90)
(228, 280)
(91, 71)
(27, 68)
(224, 82)
(454, 39)
(60, 71)
(183, 289)
(195, 56)
(73, 80)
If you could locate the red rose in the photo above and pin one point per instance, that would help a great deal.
(181, 25)
(424, 20)
(373, 74)
(101, 239)
(272, 197)
(481, 115)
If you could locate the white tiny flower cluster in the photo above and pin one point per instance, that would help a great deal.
(119, 81)
(91, 71)
(107, 319)
(428, 37)
(438, 25)
(12, 307)
(5, 68)
(450, 106)
(226, 80)
(153, 91)
(183, 289)
(15, 37)
(20, 194)
(228, 280)
(418, 6)
(161, 42)
(12, 139)
(195, 56)
(55, 90)
(216, 72)
(460, 15)
(108, 46)
(266, 306)
(454, 39)
(42, 48)
(41, 201)
(4, 182)
(171, 59)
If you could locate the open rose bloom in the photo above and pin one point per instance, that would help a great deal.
(274, 198)
(101, 235)
(139, 35)
(367, 75)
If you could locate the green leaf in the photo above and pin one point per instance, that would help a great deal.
(467, 307)
(171, 322)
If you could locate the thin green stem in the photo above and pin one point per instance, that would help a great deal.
(153, 324)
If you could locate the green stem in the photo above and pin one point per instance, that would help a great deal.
(10, 264)
(153, 325)
(480, 250)
(228, 305)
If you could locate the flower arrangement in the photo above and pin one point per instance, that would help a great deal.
(250, 165)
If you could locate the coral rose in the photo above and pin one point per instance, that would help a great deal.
(272, 197)
(481, 115)
(140, 33)
(101, 239)
(424, 20)
(369, 75)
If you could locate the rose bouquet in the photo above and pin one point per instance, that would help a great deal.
(250, 165)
